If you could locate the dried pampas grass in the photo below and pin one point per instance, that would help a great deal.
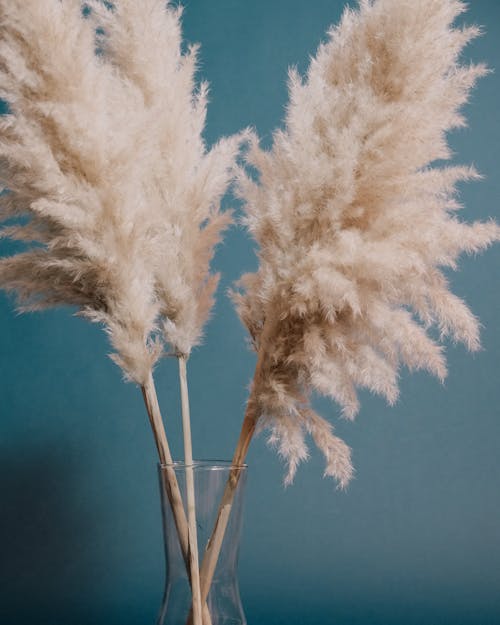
(71, 160)
(110, 186)
(355, 222)
(105, 164)
(143, 41)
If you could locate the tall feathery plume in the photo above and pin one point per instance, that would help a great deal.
(73, 162)
(72, 192)
(144, 43)
(354, 225)
(101, 182)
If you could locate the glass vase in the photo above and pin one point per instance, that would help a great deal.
(223, 604)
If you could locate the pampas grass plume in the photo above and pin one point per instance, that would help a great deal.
(106, 175)
(355, 222)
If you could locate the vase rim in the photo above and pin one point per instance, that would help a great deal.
(207, 465)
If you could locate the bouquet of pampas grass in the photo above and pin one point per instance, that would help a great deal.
(355, 223)
(115, 198)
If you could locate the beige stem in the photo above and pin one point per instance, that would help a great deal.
(191, 501)
(214, 545)
(172, 486)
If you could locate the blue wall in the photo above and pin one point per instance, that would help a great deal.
(415, 539)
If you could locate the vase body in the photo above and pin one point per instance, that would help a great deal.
(223, 600)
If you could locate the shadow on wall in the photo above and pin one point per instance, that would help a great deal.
(41, 530)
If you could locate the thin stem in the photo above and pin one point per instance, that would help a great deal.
(173, 490)
(191, 502)
(171, 483)
(156, 421)
(214, 545)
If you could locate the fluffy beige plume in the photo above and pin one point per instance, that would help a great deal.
(105, 166)
(144, 42)
(355, 223)
(112, 188)
(73, 157)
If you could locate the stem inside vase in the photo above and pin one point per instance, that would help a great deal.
(223, 599)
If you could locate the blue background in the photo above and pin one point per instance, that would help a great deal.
(415, 539)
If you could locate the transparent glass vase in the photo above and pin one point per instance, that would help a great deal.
(223, 603)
